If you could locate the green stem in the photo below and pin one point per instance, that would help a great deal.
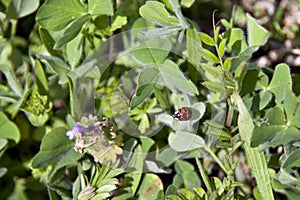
(218, 161)
(256, 159)
(204, 176)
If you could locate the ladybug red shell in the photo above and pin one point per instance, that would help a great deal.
(183, 114)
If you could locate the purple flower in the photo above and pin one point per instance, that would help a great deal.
(76, 129)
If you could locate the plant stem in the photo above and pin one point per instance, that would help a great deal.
(256, 159)
(213, 155)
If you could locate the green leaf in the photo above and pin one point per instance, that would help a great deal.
(292, 108)
(38, 120)
(227, 64)
(242, 57)
(72, 31)
(16, 106)
(190, 179)
(187, 3)
(182, 141)
(182, 166)
(175, 79)
(161, 98)
(156, 13)
(292, 162)
(192, 44)
(55, 144)
(164, 32)
(290, 134)
(74, 50)
(147, 79)
(177, 9)
(186, 194)
(209, 56)
(281, 82)
(8, 129)
(48, 42)
(257, 35)
(21, 8)
(185, 175)
(211, 70)
(56, 14)
(200, 192)
(56, 64)
(257, 160)
(3, 145)
(265, 98)
(19, 189)
(206, 39)
(118, 22)
(250, 80)
(152, 51)
(221, 48)
(132, 179)
(69, 158)
(167, 156)
(236, 40)
(292, 193)
(214, 86)
(266, 134)
(104, 7)
(276, 116)
(11, 78)
(150, 187)
(41, 79)
(186, 172)
(86, 70)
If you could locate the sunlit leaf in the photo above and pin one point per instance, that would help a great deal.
(56, 14)
(105, 7)
(208, 55)
(175, 79)
(214, 86)
(152, 51)
(281, 82)
(118, 22)
(184, 141)
(155, 12)
(192, 44)
(187, 3)
(257, 35)
(206, 39)
(236, 40)
(21, 8)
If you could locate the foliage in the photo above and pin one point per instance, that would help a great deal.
(87, 99)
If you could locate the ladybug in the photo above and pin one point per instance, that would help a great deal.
(183, 114)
